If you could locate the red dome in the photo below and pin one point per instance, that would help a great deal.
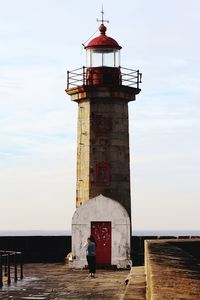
(103, 41)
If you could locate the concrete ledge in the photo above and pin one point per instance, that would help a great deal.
(136, 284)
(95, 92)
(172, 273)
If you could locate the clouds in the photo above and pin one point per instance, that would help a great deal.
(31, 115)
(34, 189)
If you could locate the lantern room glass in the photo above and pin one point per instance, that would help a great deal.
(103, 57)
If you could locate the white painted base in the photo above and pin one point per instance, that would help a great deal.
(102, 209)
(120, 264)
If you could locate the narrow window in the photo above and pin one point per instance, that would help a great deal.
(103, 173)
(103, 125)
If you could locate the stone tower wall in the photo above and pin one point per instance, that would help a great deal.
(83, 153)
(103, 142)
(109, 150)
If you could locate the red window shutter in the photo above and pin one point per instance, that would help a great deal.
(102, 125)
(102, 173)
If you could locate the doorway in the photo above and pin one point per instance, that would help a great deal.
(102, 234)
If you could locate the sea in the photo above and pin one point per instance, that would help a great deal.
(68, 233)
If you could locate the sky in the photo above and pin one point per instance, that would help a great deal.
(39, 41)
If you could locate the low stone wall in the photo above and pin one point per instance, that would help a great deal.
(38, 248)
(172, 273)
(55, 248)
(137, 246)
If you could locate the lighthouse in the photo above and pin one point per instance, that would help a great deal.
(102, 91)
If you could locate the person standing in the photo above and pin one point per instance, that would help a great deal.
(91, 255)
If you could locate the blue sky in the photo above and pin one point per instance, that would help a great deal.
(39, 42)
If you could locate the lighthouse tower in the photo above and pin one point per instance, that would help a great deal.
(102, 91)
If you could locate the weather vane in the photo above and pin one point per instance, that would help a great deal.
(102, 19)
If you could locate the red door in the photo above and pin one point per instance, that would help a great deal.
(102, 234)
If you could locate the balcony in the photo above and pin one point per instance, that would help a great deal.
(103, 76)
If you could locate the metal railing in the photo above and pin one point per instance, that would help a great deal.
(11, 267)
(127, 77)
(76, 77)
(131, 77)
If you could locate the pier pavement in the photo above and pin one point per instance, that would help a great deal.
(58, 281)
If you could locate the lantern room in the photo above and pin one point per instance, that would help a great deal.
(103, 59)
(103, 65)
(103, 51)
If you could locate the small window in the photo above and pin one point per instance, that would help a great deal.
(102, 125)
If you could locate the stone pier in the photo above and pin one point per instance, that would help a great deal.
(171, 271)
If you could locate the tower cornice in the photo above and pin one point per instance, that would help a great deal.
(80, 93)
